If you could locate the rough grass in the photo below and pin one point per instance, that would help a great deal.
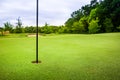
(64, 57)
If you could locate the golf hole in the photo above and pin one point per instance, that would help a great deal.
(36, 62)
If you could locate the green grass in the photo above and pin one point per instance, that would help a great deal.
(64, 57)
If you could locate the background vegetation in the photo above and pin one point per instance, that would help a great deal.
(97, 17)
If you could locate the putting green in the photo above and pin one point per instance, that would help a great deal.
(64, 57)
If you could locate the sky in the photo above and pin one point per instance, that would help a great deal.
(52, 12)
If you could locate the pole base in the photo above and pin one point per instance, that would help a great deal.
(36, 62)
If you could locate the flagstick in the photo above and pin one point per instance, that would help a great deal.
(37, 31)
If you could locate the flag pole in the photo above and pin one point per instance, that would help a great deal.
(37, 5)
(37, 19)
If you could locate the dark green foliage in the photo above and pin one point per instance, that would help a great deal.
(108, 25)
(118, 28)
(86, 10)
(77, 15)
(109, 9)
(18, 29)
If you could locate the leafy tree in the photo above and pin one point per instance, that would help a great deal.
(75, 27)
(93, 27)
(78, 27)
(109, 9)
(19, 26)
(108, 25)
(93, 14)
(84, 22)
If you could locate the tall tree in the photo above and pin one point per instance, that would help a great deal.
(19, 26)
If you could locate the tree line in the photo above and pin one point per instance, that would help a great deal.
(47, 29)
(97, 17)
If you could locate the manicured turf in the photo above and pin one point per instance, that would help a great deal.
(64, 57)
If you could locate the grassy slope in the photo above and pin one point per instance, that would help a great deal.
(64, 57)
